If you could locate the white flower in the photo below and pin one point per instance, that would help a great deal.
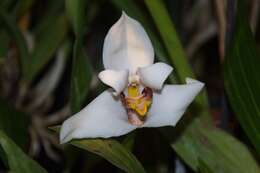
(138, 98)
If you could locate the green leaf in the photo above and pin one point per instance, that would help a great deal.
(76, 12)
(218, 150)
(111, 150)
(80, 78)
(241, 74)
(174, 47)
(81, 69)
(15, 33)
(46, 45)
(203, 168)
(17, 160)
(170, 38)
(52, 11)
(129, 141)
(22, 7)
(14, 124)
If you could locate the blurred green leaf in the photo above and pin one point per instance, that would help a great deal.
(22, 7)
(81, 69)
(173, 46)
(218, 150)
(203, 168)
(3, 157)
(17, 160)
(111, 150)
(46, 45)
(129, 141)
(241, 72)
(77, 14)
(80, 78)
(170, 38)
(14, 124)
(53, 10)
(14, 32)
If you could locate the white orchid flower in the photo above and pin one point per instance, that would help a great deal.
(137, 98)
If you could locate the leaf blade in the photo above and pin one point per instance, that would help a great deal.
(46, 47)
(111, 150)
(218, 150)
(76, 12)
(17, 160)
(14, 124)
(241, 73)
(17, 35)
(80, 77)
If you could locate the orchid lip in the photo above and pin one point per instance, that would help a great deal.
(137, 103)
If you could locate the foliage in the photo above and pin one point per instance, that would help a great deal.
(31, 35)
(17, 160)
(241, 78)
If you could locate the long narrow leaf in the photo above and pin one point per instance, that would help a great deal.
(46, 45)
(170, 38)
(17, 160)
(14, 124)
(16, 34)
(242, 78)
(80, 78)
(76, 11)
(111, 150)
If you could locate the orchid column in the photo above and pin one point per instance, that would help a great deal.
(137, 97)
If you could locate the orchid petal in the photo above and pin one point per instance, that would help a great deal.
(127, 46)
(169, 105)
(154, 76)
(104, 117)
(116, 79)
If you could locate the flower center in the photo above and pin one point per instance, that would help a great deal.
(137, 103)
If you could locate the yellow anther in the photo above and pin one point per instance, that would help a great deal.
(137, 101)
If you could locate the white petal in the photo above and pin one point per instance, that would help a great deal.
(169, 105)
(127, 46)
(114, 78)
(104, 117)
(154, 76)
